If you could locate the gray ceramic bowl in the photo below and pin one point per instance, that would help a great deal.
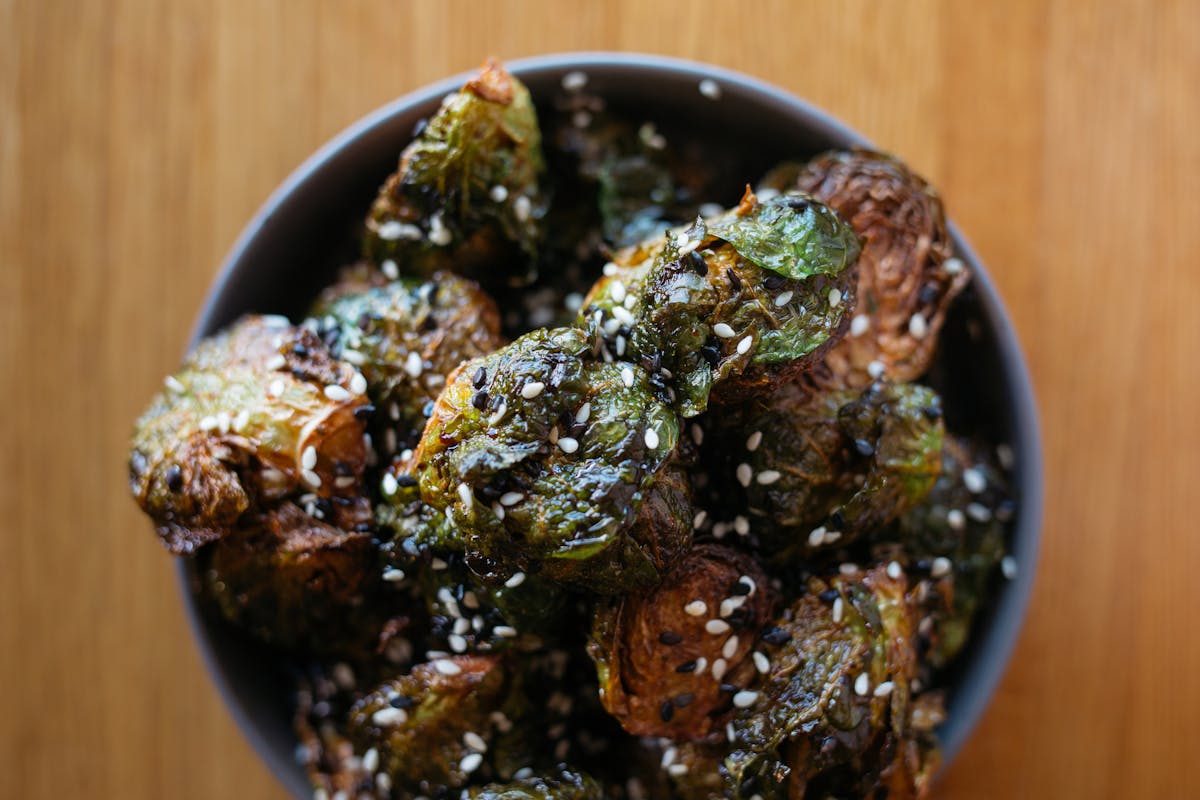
(307, 229)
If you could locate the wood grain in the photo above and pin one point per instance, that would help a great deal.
(137, 137)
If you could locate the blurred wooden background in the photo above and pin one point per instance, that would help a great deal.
(137, 137)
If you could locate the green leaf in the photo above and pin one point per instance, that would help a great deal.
(791, 235)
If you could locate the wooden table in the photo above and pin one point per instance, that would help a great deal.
(137, 137)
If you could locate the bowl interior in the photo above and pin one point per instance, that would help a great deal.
(309, 227)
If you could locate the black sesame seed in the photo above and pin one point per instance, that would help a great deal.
(342, 469)
(734, 280)
(406, 481)
(300, 350)
(400, 701)
(364, 412)
(684, 700)
(479, 400)
(773, 282)
(687, 666)
(427, 410)
(864, 448)
(174, 478)
(837, 520)
(932, 412)
(927, 294)
(669, 638)
(828, 596)
(695, 262)
(711, 354)
(480, 377)
(739, 589)
(776, 635)
(730, 688)
(795, 203)
(667, 712)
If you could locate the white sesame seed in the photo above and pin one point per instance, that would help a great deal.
(696, 608)
(941, 566)
(718, 669)
(276, 361)
(465, 494)
(522, 207)
(470, 762)
(745, 698)
(677, 770)
(370, 760)
(1008, 566)
(862, 684)
(498, 510)
(699, 520)
(876, 369)
(744, 474)
(731, 646)
(720, 529)
(568, 444)
(953, 266)
(884, 689)
(610, 269)
(505, 631)
(413, 365)
(173, 384)
(859, 325)
(974, 480)
(710, 89)
(816, 537)
(956, 519)
(783, 299)
(470, 600)
(393, 575)
(716, 626)
(651, 438)
(835, 297)
(390, 270)
(532, 389)
(495, 418)
(573, 81)
(389, 716)
(627, 376)
(516, 580)
(838, 609)
(457, 643)
(511, 498)
(731, 604)
(668, 757)
(311, 478)
(474, 741)
(623, 315)
(498, 193)
(336, 393)
(438, 563)
(390, 484)
(723, 330)
(979, 512)
(917, 326)
(745, 344)
(761, 662)
(848, 569)
(308, 459)
(391, 230)
(617, 290)
(753, 441)
(697, 434)
(741, 525)
(276, 388)
(446, 666)
(573, 301)
(358, 383)
(1004, 453)
(208, 423)
(768, 476)
(224, 422)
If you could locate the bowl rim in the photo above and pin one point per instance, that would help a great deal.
(994, 646)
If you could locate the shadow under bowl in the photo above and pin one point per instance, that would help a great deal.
(309, 227)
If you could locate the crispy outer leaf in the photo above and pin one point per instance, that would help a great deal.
(906, 280)
(406, 336)
(467, 193)
(548, 459)
(790, 236)
(719, 323)
(232, 429)
(662, 665)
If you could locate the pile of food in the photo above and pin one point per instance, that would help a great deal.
(577, 486)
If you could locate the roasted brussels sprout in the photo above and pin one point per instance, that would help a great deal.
(906, 279)
(291, 579)
(824, 468)
(466, 195)
(957, 535)
(562, 784)
(551, 461)
(406, 336)
(670, 659)
(733, 306)
(444, 723)
(833, 714)
(254, 413)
